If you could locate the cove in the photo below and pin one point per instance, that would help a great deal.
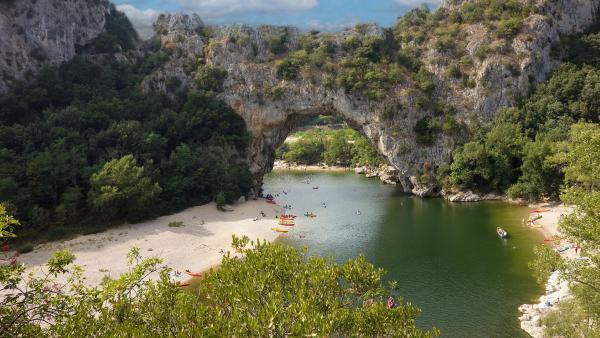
(446, 256)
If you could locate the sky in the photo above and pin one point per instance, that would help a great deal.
(323, 15)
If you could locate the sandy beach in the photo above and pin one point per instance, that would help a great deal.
(556, 289)
(281, 165)
(197, 245)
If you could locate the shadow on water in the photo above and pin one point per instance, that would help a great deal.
(446, 256)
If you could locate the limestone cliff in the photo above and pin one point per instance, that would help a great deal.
(271, 106)
(491, 72)
(37, 33)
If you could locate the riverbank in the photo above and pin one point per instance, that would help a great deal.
(282, 165)
(556, 289)
(197, 243)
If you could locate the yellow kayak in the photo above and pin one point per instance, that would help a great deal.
(279, 230)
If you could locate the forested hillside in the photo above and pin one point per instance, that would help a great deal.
(81, 146)
(517, 154)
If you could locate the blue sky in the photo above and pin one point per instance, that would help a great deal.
(328, 15)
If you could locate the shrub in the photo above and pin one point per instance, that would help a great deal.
(425, 80)
(453, 71)
(220, 201)
(425, 129)
(211, 78)
(482, 51)
(176, 224)
(25, 248)
(509, 28)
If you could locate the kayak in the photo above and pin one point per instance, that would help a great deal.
(271, 202)
(279, 230)
(538, 210)
(193, 274)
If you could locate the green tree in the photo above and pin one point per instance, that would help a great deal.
(582, 227)
(211, 78)
(7, 223)
(338, 151)
(275, 290)
(122, 188)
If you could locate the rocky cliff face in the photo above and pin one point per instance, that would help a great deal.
(42, 32)
(499, 79)
(35, 33)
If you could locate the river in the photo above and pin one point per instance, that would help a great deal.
(446, 256)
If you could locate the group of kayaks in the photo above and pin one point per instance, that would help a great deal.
(286, 221)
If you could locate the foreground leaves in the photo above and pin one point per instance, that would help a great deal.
(274, 290)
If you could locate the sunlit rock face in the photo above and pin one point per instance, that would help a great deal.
(37, 33)
(272, 107)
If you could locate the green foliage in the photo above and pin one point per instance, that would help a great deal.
(343, 147)
(277, 41)
(210, 78)
(7, 223)
(426, 130)
(220, 201)
(59, 129)
(579, 316)
(275, 290)
(528, 167)
(119, 34)
(424, 79)
(509, 28)
(122, 189)
(174, 224)
(289, 68)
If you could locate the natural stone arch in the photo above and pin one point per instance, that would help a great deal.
(270, 120)
(251, 77)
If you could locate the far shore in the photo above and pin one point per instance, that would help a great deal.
(555, 288)
(281, 165)
(198, 245)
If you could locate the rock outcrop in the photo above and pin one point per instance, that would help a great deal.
(38, 33)
(469, 196)
(272, 107)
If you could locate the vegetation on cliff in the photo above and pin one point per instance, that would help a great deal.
(333, 146)
(517, 153)
(82, 143)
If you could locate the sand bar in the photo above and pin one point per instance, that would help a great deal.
(197, 245)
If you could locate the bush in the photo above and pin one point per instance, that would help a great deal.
(426, 129)
(425, 80)
(509, 28)
(211, 78)
(220, 201)
(25, 248)
(482, 52)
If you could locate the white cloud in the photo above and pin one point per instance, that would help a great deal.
(220, 8)
(141, 19)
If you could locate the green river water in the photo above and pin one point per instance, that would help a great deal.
(446, 256)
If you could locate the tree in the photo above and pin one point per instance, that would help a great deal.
(338, 151)
(581, 227)
(275, 290)
(211, 78)
(7, 223)
(122, 188)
